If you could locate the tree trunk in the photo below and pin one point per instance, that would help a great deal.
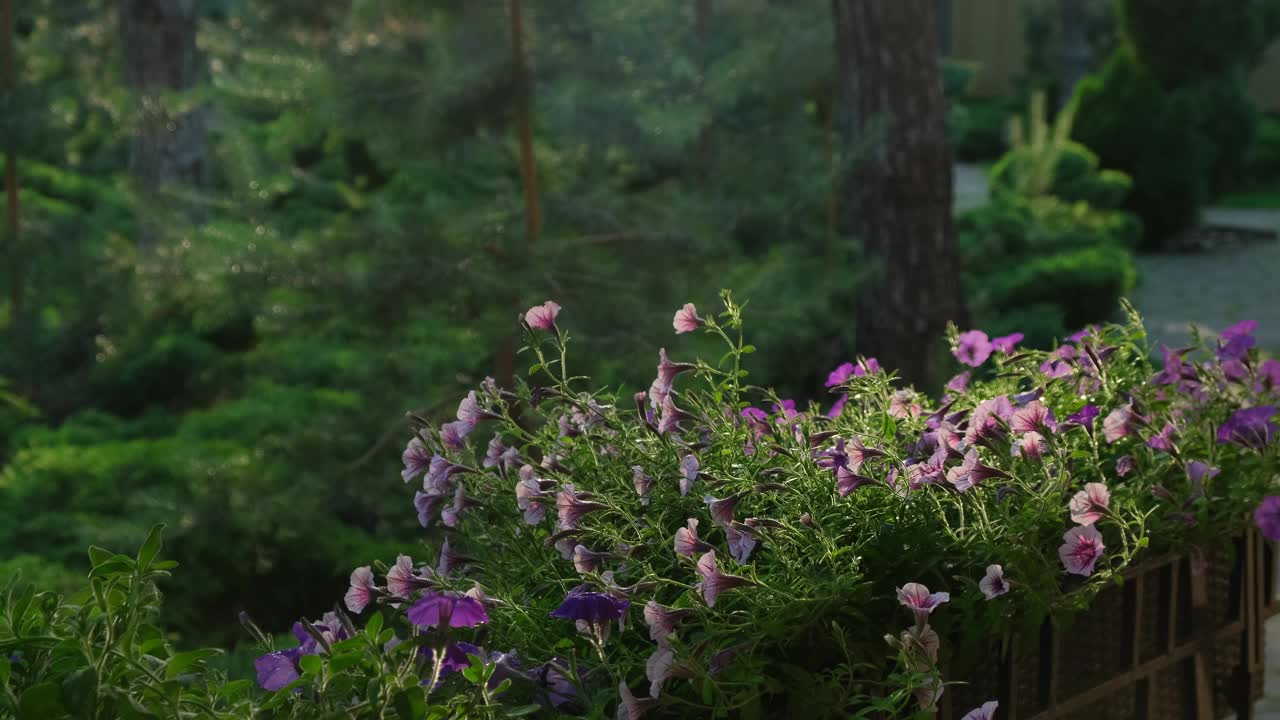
(168, 146)
(1073, 47)
(899, 191)
(8, 83)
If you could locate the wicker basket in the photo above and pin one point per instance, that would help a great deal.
(1168, 644)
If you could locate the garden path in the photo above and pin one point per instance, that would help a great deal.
(1210, 290)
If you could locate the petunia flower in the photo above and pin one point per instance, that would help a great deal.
(686, 319)
(713, 581)
(1080, 550)
(1163, 440)
(587, 561)
(972, 348)
(595, 610)
(1250, 427)
(426, 504)
(530, 495)
(985, 425)
(447, 609)
(1090, 504)
(470, 412)
(455, 657)
(670, 416)
(1125, 465)
(1032, 446)
(643, 483)
(1175, 369)
(903, 405)
(959, 382)
(687, 542)
(1269, 371)
(658, 667)
(402, 579)
(629, 706)
(1198, 472)
(499, 455)
(741, 541)
(454, 434)
(572, 508)
(1006, 343)
(722, 508)
(552, 680)
(1060, 363)
(1083, 417)
(1119, 423)
(416, 458)
(1236, 340)
(452, 515)
(437, 479)
(1267, 517)
(986, 712)
(276, 670)
(449, 559)
(662, 621)
(993, 584)
(543, 317)
(837, 407)
(689, 466)
(1033, 417)
(840, 375)
(972, 472)
(919, 600)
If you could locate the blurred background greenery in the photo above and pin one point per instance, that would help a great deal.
(254, 233)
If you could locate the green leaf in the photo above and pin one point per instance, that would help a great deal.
(523, 710)
(179, 663)
(748, 349)
(4, 671)
(151, 546)
(80, 692)
(342, 662)
(165, 565)
(410, 704)
(374, 626)
(115, 566)
(311, 664)
(534, 368)
(41, 701)
(98, 555)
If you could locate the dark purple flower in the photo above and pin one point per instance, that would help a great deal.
(713, 581)
(276, 670)
(593, 607)
(455, 657)
(1163, 440)
(454, 434)
(847, 481)
(447, 610)
(426, 505)
(1125, 465)
(1061, 362)
(662, 621)
(543, 317)
(440, 471)
(500, 456)
(959, 382)
(362, 589)
(785, 408)
(1174, 370)
(985, 425)
(837, 407)
(1267, 517)
(1236, 340)
(1269, 371)
(670, 416)
(470, 412)
(687, 542)
(1083, 417)
(972, 348)
(1082, 333)
(1250, 427)
(1006, 343)
(571, 508)
(686, 319)
(840, 375)
(552, 678)
(415, 457)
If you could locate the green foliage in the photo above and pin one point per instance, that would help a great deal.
(1135, 126)
(978, 128)
(1186, 42)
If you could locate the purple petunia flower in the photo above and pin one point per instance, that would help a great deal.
(1082, 333)
(436, 480)
(362, 590)
(658, 667)
(687, 542)
(971, 472)
(1125, 465)
(1267, 517)
(469, 410)
(1236, 340)
(669, 416)
(713, 581)
(1119, 423)
(585, 560)
(686, 319)
(455, 658)
(426, 505)
(985, 426)
(837, 407)
(741, 540)
(1083, 417)
(543, 317)
(552, 680)
(454, 434)
(1061, 362)
(972, 348)
(642, 482)
(959, 382)
(1269, 371)
(1080, 550)
(446, 609)
(1090, 504)
(689, 466)
(1250, 427)
(1163, 440)
(986, 712)
(919, 600)
(449, 559)
(1175, 369)
(840, 375)
(595, 610)
(1032, 446)
(499, 455)
(452, 515)
(276, 670)
(403, 579)
(631, 707)
(1033, 417)
(993, 584)
(847, 481)
(1006, 343)
(572, 508)
(662, 621)
(722, 508)
(416, 457)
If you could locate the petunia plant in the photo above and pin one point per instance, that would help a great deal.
(704, 546)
